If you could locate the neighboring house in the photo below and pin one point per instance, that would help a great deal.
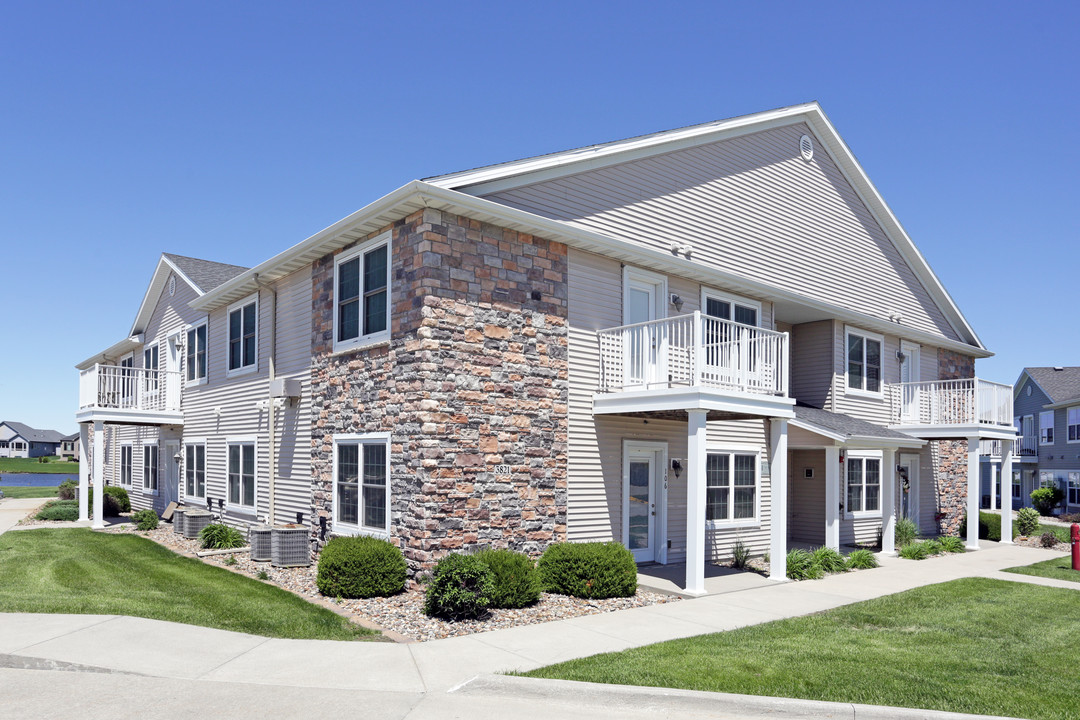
(1047, 418)
(678, 342)
(69, 447)
(19, 440)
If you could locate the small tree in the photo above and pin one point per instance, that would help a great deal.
(1045, 499)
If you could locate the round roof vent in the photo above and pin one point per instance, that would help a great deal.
(806, 148)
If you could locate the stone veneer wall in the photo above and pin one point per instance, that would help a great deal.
(949, 457)
(474, 376)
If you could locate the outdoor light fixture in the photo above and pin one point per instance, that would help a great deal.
(901, 356)
(299, 518)
(676, 467)
(676, 301)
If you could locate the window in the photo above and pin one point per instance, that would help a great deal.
(864, 362)
(727, 307)
(18, 445)
(863, 485)
(243, 335)
(1016, 490)
(731, 487)
(362, 482)
(242, 474)
(195, 354)
(361, 294)
(1074, 488)
(150, 363)
(1072, 421)
(150, 468)
(4, 444)
(195, 470)
(1046, 428)
(125, 465)
(1046, 479)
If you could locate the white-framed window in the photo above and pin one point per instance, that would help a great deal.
(1046, 479)
(151, 358)
(241, 474)
(863, 362)
(730, 307)
(125, 464)
(362, 483)
(1046, 427)
(863, 486)
(195, 470)
(1074, 488)
(195, 355)
(4, 444)
(150, 469)
(1016, 486)
(1072, 423)
(362, 294)
(18, 445)
(731, 488)
(243, 319)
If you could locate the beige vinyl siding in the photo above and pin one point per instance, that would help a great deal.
(594, 493)
(806, 496)
(812, 362)
(752, 206)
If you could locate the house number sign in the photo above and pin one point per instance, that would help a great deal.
(503, 470)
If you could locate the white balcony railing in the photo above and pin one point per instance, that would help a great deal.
(1024, 448)
(693, 350)
(952, 402)
(124, 388)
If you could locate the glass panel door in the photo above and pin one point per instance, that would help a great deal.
(641, 340)
(641, 505)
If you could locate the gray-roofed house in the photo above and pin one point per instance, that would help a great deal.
(20, 440)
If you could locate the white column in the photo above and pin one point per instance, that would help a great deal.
(84, 470)
(832, 497)
(1006, 505)
(888, 501)
(99, 475)
(695, 501)
(993, 485)
(778, 480)
(973, 493)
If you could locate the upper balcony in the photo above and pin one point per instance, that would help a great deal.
(693, 362)
(129, 396)
(1025, 449)
(953, 409)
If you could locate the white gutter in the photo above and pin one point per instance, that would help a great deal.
(124, 346)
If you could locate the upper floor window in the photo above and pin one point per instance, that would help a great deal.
(731, 487)
(863, 485)
(150, 363)
(195, 355)
(1046, 428)
(727, 307)
(362, 294)
(243, 335)
(1073, 422)
(362, 482)
(863, 362)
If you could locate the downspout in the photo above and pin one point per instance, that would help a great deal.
(270, 407)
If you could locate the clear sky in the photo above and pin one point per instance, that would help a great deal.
(231, 131)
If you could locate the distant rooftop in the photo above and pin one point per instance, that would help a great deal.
(33, 434)
(1059, 383)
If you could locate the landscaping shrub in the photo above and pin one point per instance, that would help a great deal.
(123, 502)
(861, 560)
(517, 583)
(145, 520)
(905, 533)
(1045, 499)
(110, 506)
(1027, 521)
(989, 527)
(933, 547)
(219, 536)
(66, 510)
(915, 551)
(740, 555)
(829, 560)
(951, 544)
(1048, 539)
(1070, 518)
(360, 567)
(801, 566)
(461, 587)
(68, 490)
(588, 570)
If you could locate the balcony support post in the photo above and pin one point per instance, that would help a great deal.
(695, 501)
(84, 470)
(1006, 507)
(973, 493)
(993, 485)
(888, 501)
(99, 475)
(832, 497)
(778, 450)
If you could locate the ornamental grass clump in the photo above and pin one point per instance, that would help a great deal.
(829, 560)
(861, 559)
(905, 532)
(219, 536)
(589, 570)
(517, 582)
(801, 565)
(361, 567)
(915, 551)
(1027, 521)
(460, 588)
(740, 555)
(951, 544)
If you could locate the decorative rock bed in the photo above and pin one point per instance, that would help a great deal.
(402, 614)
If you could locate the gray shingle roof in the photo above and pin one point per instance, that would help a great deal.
(205, 273)
(1059, 385)
(845, 424)
(33, 435)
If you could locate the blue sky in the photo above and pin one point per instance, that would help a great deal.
(232, 131)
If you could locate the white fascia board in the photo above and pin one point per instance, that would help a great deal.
(873, 441)
(817, 430)
(153, 292)
(983, 432)
(1070, 402)
(126, 345)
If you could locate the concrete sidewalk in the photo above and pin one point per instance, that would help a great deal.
(12, 510)
(156, 649)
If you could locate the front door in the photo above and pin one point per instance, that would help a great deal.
(170, 489)
(642, 340)
(642, 485)
(909, 373)
(908, 479)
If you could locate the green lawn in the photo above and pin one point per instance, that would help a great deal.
(53, 465)
(1060, 569)
(80, 571)
(23, 491)
(956, 646)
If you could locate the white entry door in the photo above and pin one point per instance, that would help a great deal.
(643, 473)
(909, 373)
(908, 481)
(169, 491)
(642, 341)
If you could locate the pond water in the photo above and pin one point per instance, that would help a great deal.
(36, 479)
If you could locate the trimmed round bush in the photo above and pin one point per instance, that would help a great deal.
(588, 570)
(360, 567)
(1027, 521)
(123, 502)
(461, 587)
(517, 583)
(219, 536)
(66, 510)
(145, 520)
(110, 506)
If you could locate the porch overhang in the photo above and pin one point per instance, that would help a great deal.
(121, 416)
(693, 398)
(982, 431)
(861, 442)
